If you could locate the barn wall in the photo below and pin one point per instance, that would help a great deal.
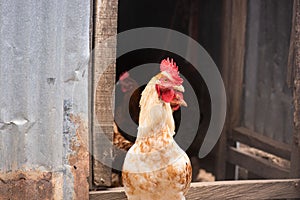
(44, 53)
(268, 98)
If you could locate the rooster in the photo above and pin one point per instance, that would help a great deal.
(127, 93)
(155, 167)
(127, 102)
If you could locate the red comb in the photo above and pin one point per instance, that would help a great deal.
(171, 68)
(124, 76)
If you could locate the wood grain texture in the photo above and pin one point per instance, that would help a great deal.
(256, 140)
(267, 96)
(233, 50)
(232, 58)
(91, 92)
(256, 165)
(251, 62)
(104, 59)
(295, 157)
(291, 56)
(254, 189)
(109, 194)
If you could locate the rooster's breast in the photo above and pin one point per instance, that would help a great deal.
(156, 167)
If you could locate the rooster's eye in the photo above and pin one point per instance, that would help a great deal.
(165, 80)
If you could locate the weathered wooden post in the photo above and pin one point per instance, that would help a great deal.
(295, 155)
(104, 69)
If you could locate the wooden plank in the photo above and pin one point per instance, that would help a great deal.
(251, 62)
(256, 140)
(220, 167)
(253, 189)
(232, 59)
(233, 46)
(263, 83)
(295, 157)
(109, 194)
(104, 59)
(91, 91)
(267, 107)
(279, 108)
(291, 56)
(256, 164)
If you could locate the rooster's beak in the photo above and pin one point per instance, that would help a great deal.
(183, 103)
(180, 101)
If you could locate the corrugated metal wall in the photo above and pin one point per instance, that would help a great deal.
(268, 107)
(44, 52)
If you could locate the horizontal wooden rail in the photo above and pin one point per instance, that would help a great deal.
(255, 164)
(253, 139)
(251, 189)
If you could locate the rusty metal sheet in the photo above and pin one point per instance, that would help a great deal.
(44, 89)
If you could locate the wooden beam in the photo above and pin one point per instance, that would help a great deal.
(90, 101)
(109, 194)
(234, 16)
(253, 189)
(295, 157)
(104, 59)
(291, 56)
(253, 139)
(256, 165)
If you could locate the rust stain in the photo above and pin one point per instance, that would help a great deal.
(150, 144)
(187, 178)
(79, 160)
(126, 179)
(172, 173)
(27, 185)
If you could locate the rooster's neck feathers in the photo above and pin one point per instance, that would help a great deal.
(155, 114)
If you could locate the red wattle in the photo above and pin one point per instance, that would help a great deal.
(167, 95)
(176, 107)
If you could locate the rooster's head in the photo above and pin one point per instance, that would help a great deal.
(169, 84)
